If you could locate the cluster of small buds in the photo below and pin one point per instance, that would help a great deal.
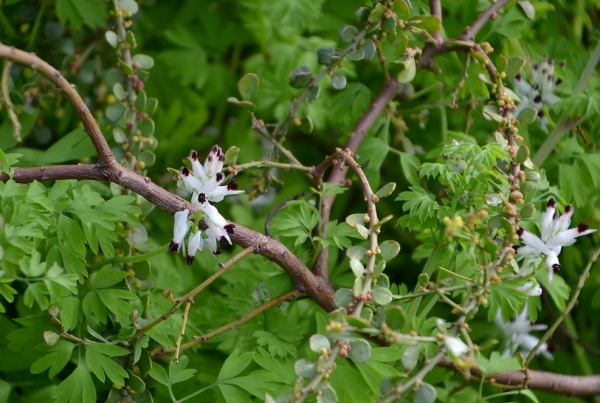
(452, 225)
(345, 348)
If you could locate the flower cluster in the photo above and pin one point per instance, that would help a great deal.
(555, 235)
(517, 330)
(539, 91)
(205, 185)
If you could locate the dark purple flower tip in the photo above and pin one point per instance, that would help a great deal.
(551, 347)
(520, 231)
(223, 239)
(194, 155)
(516, 248)
(568, 208)
(536, 67)
(217, 252)
(552, 202)
(541, 113)
(518, 77)
(215, 149)
(174, 246)
(535, 87)
(202, 198)
(582, 227)
(219, 176)
(222, 158)
(229, 228)
(562, 64)
(185, 171)
(209, 158)
(555, 267)
(544, 71)
(558, 82)
(232, 186)
(190, 259)
(537, 99)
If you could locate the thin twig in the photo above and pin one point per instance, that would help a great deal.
(316, 379)
(186, 312)
(10, 109)
(470, 32)
(192, 294)
(572, 302)
(435, 6)
(231, 326)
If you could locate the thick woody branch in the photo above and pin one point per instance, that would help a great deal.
(108, 169)
(390, 89)
(105, 156)
(571, 385)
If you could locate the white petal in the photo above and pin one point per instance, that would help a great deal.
(569, 236)
(547, 218)
(564, 222)
(192, 184)
(533, 241)
(180, 228)
(455, 346)
(197, 167)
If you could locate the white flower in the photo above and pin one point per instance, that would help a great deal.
(517, 332)
(181, 227)
(539, 91)
(206, 179)
(555, 235)
(218, 227)
(455, 346)
(195, 244)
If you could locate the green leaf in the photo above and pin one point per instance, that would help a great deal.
(300, 77)
(235, 364)
(425, 394)
(338, 81)
(58, 357)
(248, 86)
(506, 297)
(318, 342)
(305, 368)
(376, 13)
(98, 358)
(396, 318)
(528, 115)
(145, 62)
(343, 297)
(347, 33)
(69, 312)
(115, 111)
(498, 363)
(361, 350)
(77, 388)
(114, 300)
(381, 296)
(429, 23)
(327, 55)
(514, 66)
(389, 249)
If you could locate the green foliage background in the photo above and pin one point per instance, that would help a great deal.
(200, 50)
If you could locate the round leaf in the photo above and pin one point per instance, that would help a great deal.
(389, 250)
(115, 111)
(146, 127)
(356, 252)
(527, 211)
(410, 357)
(357, 268)
(327, 395)
(145, 62)
(347, 32)
(338, 81)
(379, 268)
(425, 394)
(356, 54)
(343, 297)
(396, 318)
(527, 115)
(361, 350)
(119, 91)
(119, 135)
(386, 190)
(248, 86)
(353, 219)
(300, 77)
(381, 296)
(314, 93)
(111, 38)
(305, 368)
(318, 342)
(326, 55)
(306, 125)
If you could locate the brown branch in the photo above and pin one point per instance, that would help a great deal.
(108, 169)
(390, 89)
(470, 31)
(105, 156)
(571, 385)
(435, 6)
